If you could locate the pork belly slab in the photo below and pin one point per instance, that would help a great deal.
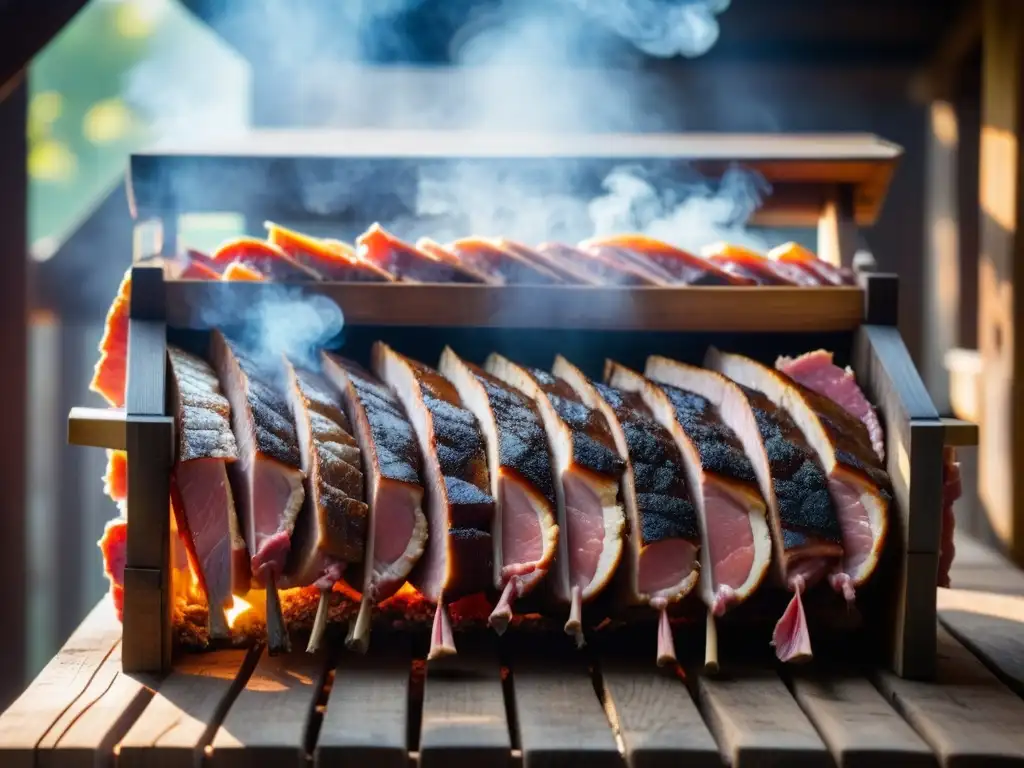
(460, 509)
(598, 268)
(797, 256)
(735, 538)
(331, 530)
(396, 530)
(753, 266)
(661, 565)
(501, 264)
(330, 259)
(268, 476)
(587, 473)
(805, 527)
(403, 260)
(669, 264)
(201, 492)
(525, 531)
(859, 487)
(564, 268)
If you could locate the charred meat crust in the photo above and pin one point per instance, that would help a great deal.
(849, 437)
(472, 562)
(719, 448)
(338, 478)
(522, 442)
(397, 453)
(798, 479)
(275, 436)
(593, 447)
(202, 412)
(666, 509)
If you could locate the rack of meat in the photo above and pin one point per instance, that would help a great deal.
(575, 441)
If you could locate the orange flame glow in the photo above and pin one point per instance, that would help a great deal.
(238, 607)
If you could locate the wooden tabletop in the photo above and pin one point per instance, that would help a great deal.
(245, 708)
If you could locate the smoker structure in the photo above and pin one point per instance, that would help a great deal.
(836, 183)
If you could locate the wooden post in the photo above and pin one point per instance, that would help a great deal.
(914, 439)
(837, 228)
(13, 383)
(148, 439)
(1000, 316)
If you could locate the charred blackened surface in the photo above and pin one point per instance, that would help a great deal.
(798, 479)
(849, 438)
(720, 450)
(522, 442)
(663, 500)
(202, 412)
(398, 455)
(275, 435)
(593, 444)
(470, 507)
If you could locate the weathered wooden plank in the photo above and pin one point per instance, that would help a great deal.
(366, 722)
(757, 722)
(561, 721)
(464, 718)
(183, 716)
(858, 725)
(61, 683)
(85, 734)
(656, 717)
(992, 627)
(978, 567)
(267, 725)
(966, 715)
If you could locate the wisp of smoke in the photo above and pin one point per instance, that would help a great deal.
(689, 215)
(283, 322)
(663, 28)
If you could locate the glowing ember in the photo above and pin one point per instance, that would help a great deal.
(238, 607)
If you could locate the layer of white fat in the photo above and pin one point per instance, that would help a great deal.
(707, 385)
(786, 396)
(403, 384)
(474, 398)
(560, 448)
(572, 375)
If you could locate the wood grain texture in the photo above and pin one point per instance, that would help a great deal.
(756, 722)
(367, 713)
(97, 428)
(992, 627)
(857, 724)
(967, 716)
(267, 725)
(1001, 274)
(762, 309)
(62, 682)
(561, 721)
(183, 716)
(464, 719)
(656, 717)
(837, 225)
(85, 734)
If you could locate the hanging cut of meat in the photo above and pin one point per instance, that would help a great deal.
(460, 509)
(114, 548)
(564, 268)
(115, 479)
(736, 541)
(804, 521)
(331, 530)
(816, 371)
(801, 258)
(268, 477)
(240, 272)
(196, 265)
(378, 246)
(199, 484)
(672, 265)
(112, 368)
(439, 253)
(396, 530)
(661, 565)
(857, 483)
(263, 257)
(951, 490)
(525, 531)
(599, 268)
(499, 263)
(751, 265)
(331, 259)
(587, 470)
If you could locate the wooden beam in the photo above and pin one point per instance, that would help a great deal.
(940, 78)
(1001, 270)
(13, 384)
